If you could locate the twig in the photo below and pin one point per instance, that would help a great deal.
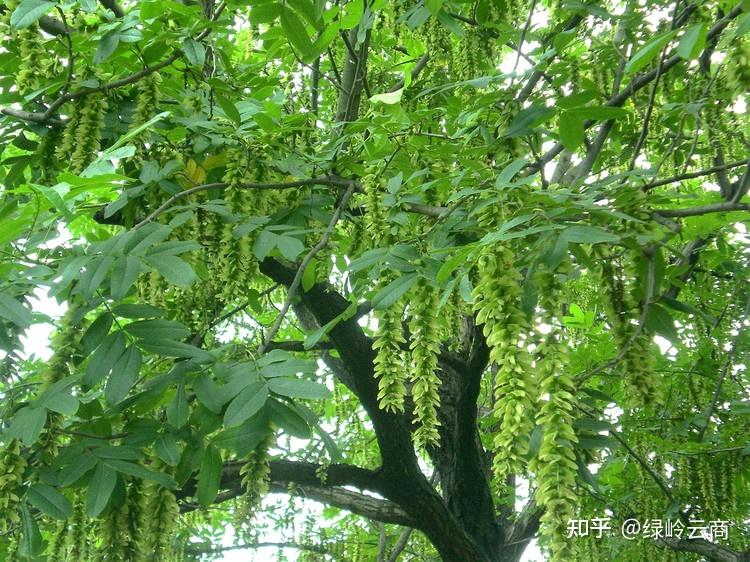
(693, 175)
(305, 262)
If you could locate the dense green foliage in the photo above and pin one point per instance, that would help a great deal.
(460, 271)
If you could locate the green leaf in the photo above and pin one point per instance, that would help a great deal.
(139, 471)
(59, 399)
(124, 374)
(289, 247)
(175, 270)
(297, 388)
(195, 51)
(571, 130)
(96, 333)
(80, 465)
(107, 45)
(167, 449)
(230, 109)
(27, 424)
(178, 410)
(152, 330)
(296, 34)
(100, 489)
(308, 276)
(434, 6)
(693, 42)
(104, 358)
(96, 271)
(352, 14)
(177, 349)
(31, 543)
(14, 311)
(28, 12)
(523, 123)
(397, 288)
(388, 98)
(314, 337)
(584, 234)
(648, 52)
(209, 476)
(137, 311)
(288, 419)
(243, 438)
(208, 393)
(659, 321)
(49, 501)
(248, 402)
(124, 274)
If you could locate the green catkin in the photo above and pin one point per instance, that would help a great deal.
(738, 67)
(32, 64)
(45, 155)
(707, 487)
(255, 474)
(116, 536)
(12, 467)
(155, 521)
(555, 466)
(166, 513)
(87, 119)
(375, 220)
(497, 296)
(56, 544)
(467, 54)
(147, 100)
(76, 543)
(68, 141)
(425, 346)
(389, 362)
(65, 345)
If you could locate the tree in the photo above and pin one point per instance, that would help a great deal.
(468, 273)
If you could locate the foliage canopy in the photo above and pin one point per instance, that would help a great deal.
(474, 269)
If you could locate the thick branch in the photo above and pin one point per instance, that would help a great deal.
(402, 479)
(114, 6)
(361, 504)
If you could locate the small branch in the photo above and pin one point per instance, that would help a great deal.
(702, 210)
(31, 116)
(418, 68)
(400, 545)
(196, 549)
(298, 346)
(693, 175)
(305, 262)
(649, 110)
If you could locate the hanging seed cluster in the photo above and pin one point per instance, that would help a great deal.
(497, 297)
(425, 345)
(82, 136)
(256, 473)
(555, 465)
